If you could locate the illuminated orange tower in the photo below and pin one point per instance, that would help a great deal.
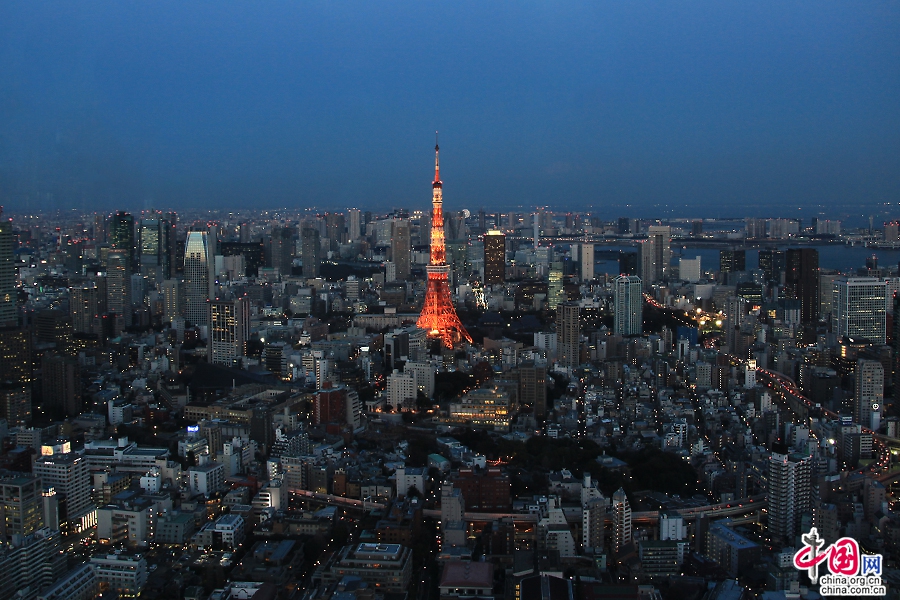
(438, 316)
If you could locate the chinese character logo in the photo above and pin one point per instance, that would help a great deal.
(843, 557)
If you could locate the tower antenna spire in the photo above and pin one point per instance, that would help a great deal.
(437, 165)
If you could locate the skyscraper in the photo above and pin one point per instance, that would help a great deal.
(869, 393)
(628, 316)
(735, 311)
(859, 308)
(353, 230)
(772, 263)
(801, 282)
(656, 254)
(15, 355)
(494, 257)
(171, 224)
(61, 381)
(334, 230)
(310, 250)
(229, 330)
(400, 248)
(790, 484)
(154, 249)
(555, 289)
(533, 387)
(622, 533)
(568, 334)
(99, 232)
(173, 299)
(438, 316)
(121, 236)
(84, 307)
(732, 261)
(282, 249)
(196, 277)
(586, 262)
(118, 286)
(8, 312)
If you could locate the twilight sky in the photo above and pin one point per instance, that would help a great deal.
(630, 108)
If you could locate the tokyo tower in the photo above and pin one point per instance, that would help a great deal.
(438, 315)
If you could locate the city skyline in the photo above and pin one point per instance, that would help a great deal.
(648, 349)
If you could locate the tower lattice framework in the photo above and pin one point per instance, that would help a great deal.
(438, 315)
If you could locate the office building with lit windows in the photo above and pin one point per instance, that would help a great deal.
(229, 330)
(483, 408)
(494, 257)
(196, 277)
(628, 305)
(859, 308)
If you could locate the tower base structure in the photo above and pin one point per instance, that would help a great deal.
(438, 315)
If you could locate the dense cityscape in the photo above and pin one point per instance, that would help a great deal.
(441, 404)
(628, 328)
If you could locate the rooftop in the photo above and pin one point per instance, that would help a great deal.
(468, 574)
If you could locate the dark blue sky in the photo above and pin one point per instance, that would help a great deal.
(734, 108)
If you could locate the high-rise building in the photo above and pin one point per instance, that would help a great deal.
(53, 325)
(689, 269)
(121, 236)
(494, 257)
(69, 477)
(628, 305)
(334, 230)
(84, 307)
(533, 387)
(353, 230)
(656, 254)
(772, 263)
(556, 294)
(21, 505)
(118, 286)
(859, 308)
(99, 232)
(789, 488)
(229, 330)
(8, 310)
(732, 261)
(61, 381)
(154, 249)
(282, 249)
(586, 262)
(622, 533)
(402, 390)
(593, 524)
(15, 355)
(400, 248)
(735, 311)
(171, 223)
(173, 299)
(801, 282)
(424, 374)
(310, 251)
(196, 277)
(869, 393)
(896, 341)
(438, 316)
(32, 564)
(15, 403)
(568, 334)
